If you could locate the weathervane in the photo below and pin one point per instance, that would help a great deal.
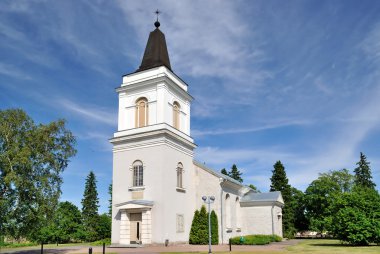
(157, 23)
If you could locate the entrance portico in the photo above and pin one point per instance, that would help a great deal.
(135, 222)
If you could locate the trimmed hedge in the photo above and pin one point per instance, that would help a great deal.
(255, 239)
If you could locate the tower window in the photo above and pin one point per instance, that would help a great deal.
(179, 175)
(176, 114)
(138, 173)
(142, 112)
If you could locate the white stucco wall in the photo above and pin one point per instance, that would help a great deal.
(160, 158)
(160, 92)
(258, 220)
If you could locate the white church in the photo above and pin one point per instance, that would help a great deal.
(157, 184)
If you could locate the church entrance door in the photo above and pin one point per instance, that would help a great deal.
(135, 220)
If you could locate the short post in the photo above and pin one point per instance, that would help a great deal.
(90, 250)
(42, 247)
(104, 248)
(229, 242)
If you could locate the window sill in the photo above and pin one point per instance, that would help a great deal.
(136, 188)
(179, 189)
(228, 230)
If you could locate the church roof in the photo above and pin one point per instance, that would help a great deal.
(216, 173)
(156, 52)
(265, 197)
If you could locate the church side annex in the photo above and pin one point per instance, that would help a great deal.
(157, 184)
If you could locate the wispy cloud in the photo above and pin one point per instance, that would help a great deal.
(89, 112)
(222, 131)
(14, 72)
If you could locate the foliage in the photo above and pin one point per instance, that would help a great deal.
(32, 158)
(199, 227)
(253, 187)
(280, 182)
(214, 228)
(363, 175)
(298, 203)
(103, 228)
(236, 174)
(319, 196)
(107, 241)
(255, 239)
(90, 205)
(110, 200)
(342, 177)
(64, 226)
(356, 217)
(233, 173)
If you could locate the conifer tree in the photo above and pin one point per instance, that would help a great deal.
(90, 205)
(110, 200)
(363, 175)
(224, 172)
(214, 228)
(235, 173)
(280, 182)
(193, 239)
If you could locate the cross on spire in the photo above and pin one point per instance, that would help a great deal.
(157, 13)
(157, 23)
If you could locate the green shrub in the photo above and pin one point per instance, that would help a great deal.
(255, 239)
(199, 227)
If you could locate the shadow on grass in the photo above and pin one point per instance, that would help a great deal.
(38, 251)
(338, 245)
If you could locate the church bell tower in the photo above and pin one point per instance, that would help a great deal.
(152, 152)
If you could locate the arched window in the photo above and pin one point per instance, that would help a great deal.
(141, 112)
(228, 211)
(179, 175)
(176, 114)
(237, 213)
(138, 173)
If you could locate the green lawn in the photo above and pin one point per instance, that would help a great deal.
(319, 246)
(329, 247)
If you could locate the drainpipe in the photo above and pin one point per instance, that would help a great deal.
(272, 220)
(222, 180)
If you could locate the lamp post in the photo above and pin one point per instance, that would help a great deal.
(208, 200)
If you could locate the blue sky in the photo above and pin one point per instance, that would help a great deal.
(296, 81)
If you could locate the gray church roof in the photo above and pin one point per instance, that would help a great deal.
(156, 52)
(216, 173)
(266, 196)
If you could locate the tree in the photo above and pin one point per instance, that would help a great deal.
(319, 196)
(233, 173)
(68, 222)
(300, 221)
(342, 177)
(214, 228)
(236, 174)
(110, 200)
(103, 228)
(90, 205)
(224, 172)
(253, 187)
(363, 175)
(356, 217)
(280, 182)
(199, 227)
(32, 158)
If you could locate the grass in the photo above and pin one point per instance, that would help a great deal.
(319, 246)
(329, 247)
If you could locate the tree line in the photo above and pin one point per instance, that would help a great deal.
(337, 203)
(32, 160)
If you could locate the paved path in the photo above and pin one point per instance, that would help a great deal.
(156, 249)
